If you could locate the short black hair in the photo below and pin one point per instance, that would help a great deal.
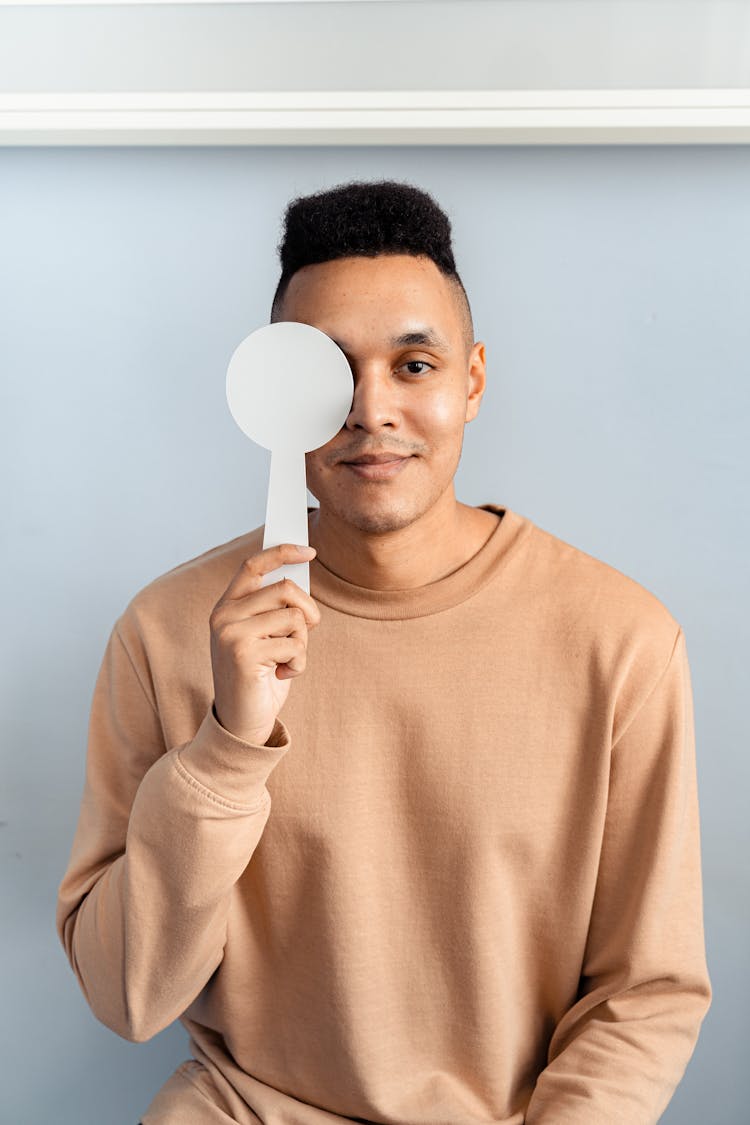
(368, 218)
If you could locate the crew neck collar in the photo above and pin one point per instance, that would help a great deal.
(453, 588)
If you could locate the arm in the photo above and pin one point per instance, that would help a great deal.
(619, 1052)
(162, 837)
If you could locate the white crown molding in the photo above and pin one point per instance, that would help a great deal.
(174, 3)
(378, 118)
(163, 3)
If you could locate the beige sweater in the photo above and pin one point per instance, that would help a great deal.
(460, 884)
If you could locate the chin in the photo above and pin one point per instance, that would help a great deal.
(380, 523)
(375, 518)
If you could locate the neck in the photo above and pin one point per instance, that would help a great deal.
(430, 547)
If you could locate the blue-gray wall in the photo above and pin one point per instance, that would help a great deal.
(611, 287)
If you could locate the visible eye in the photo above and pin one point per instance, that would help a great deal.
(417, 363)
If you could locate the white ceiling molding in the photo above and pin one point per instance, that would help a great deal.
(130, 3)
(387, 117)
(371, 72)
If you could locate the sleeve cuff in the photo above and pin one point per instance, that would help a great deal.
(228, 767)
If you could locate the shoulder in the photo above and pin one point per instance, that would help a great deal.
(182, 597)
(594, 587)
(623, 632)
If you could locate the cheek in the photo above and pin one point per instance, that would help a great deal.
(443, 413)
(315, 461)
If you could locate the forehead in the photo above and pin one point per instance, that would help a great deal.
(389, 292)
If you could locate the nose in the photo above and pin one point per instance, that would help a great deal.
(374, 403)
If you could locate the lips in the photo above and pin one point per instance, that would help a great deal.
(378, 470)
(376, 459)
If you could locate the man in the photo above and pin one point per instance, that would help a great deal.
(421, 846)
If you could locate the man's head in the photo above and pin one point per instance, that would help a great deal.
(371, 264)
(369, 219)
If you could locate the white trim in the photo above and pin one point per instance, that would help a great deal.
(162, 3)
(378, 117)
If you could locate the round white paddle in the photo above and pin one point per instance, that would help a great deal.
(290, 389)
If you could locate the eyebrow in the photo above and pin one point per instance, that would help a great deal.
(425, 336)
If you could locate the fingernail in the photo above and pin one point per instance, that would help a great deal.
(309, 551)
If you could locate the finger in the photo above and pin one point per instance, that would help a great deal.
(279, 594)
(252, 570)
(288, 621)
(285, 652)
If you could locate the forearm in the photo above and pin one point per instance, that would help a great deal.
(619, 1052)
(621, 1060)
(151, 930)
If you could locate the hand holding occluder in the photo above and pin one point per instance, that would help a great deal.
(259, 642)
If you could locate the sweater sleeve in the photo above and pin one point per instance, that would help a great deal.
(163, 835)
(618, 1054)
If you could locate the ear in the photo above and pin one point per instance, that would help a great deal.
(476, 380)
